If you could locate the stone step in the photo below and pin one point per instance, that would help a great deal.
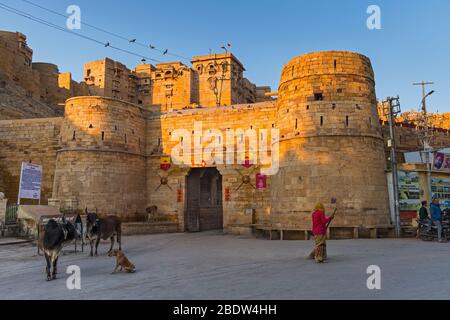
(10, 230)
(136, 228)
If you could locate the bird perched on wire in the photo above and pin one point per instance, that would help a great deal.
(107, 44)
(151, 47)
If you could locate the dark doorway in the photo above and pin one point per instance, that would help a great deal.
(204, 209)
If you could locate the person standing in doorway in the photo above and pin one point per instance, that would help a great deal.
(319, 229)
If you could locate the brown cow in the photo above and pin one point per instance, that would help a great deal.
(103, 228)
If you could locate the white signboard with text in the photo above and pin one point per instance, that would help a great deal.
(30, 181)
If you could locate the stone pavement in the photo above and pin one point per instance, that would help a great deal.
(215, 266)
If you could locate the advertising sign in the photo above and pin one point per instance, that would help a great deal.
(440, 188)
(409, 191)
(441, 161)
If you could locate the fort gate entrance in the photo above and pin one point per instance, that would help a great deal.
(204, 210)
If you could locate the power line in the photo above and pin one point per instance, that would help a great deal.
(129, 40)
(52, 25)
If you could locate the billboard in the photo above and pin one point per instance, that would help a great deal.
(409, 191)
(440, 188)
(441, 161)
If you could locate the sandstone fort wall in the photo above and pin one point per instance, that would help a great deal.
(30, 140)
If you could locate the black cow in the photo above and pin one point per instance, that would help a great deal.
(55, 237)
(103, 228)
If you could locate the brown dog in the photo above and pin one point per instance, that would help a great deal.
(121, 261)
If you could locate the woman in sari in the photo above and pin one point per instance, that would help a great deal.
(319, 229)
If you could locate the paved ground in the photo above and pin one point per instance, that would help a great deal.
(217, 266)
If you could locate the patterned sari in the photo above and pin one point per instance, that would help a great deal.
(320, 252)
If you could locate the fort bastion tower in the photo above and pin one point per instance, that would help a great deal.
(101, 160)
(330, 142)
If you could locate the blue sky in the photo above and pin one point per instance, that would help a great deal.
(413, 44)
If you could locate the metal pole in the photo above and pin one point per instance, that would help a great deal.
(426, 140)
(394, 169)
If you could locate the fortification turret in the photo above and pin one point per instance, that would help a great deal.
(330, 141)
(101, 162)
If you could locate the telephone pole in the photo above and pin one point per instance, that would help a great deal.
(426, 136)
(391, 108)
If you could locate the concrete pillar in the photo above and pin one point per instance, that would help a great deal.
(56, 203)
(3, 203)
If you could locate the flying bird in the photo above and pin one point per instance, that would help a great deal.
(165, 51)
(133, 40)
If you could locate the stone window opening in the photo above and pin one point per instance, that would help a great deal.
(346, 121)
(370, 121)
(307, 107)
(159, 142)
(296, 124)
(335, 65)
(125, 138)
(139, 101)
(91, 126)
(321, 121)
(273, 125)
(132, 131)
(115, 128)
(318, 96)
(103, 135)
(74, 135)
(333, 106)
(88, 72)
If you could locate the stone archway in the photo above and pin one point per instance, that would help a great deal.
(204, 205)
